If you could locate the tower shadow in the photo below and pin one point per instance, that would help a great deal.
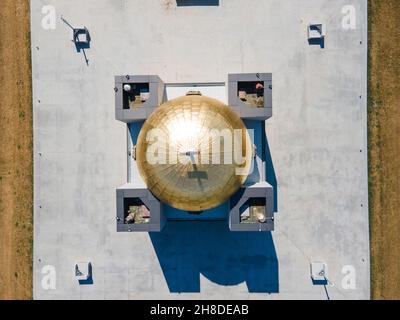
(184, 3)
(187, 249)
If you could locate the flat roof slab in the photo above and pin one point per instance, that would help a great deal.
(317, 138)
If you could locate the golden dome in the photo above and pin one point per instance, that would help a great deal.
(193, 153)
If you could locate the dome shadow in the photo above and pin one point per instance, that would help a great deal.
(187, 249)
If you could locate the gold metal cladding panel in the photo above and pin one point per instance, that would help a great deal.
(185, 124)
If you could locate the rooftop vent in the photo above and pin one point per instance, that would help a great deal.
(193, 93)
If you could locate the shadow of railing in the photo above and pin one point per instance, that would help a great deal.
(79, 46)
(187, 249)
(182, 3)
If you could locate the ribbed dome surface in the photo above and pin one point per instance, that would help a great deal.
(178, 149)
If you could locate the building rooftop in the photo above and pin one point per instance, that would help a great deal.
(317, 139)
